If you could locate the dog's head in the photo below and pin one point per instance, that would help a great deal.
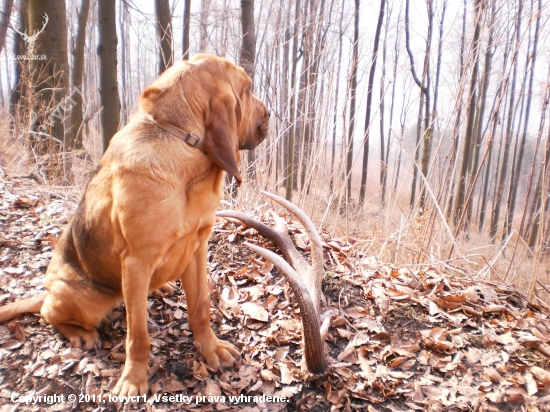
(213, 91)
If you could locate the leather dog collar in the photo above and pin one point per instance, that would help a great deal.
(189, 138)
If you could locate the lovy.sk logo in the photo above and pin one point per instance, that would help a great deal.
(30, 40)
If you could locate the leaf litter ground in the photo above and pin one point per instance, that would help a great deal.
(399, 339)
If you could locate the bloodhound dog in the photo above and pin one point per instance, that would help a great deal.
(146, 216)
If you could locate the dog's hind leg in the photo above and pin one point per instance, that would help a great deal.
(78, 336)
(168, 288)
(76, 311)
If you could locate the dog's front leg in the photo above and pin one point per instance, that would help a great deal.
(194, 280)
(135, 282)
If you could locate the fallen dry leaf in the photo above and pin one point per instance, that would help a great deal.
(255, 311)
(400, 338)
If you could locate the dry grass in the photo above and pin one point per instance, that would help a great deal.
(396, 236)
(391, 233)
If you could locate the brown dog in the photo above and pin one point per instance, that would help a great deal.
(146, 217)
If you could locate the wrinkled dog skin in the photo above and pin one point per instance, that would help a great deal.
(146, 216)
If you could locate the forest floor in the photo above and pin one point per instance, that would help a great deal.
(401, 339)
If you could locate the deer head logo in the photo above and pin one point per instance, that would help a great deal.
(32, 38)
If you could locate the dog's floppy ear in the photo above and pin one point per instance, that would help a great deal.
(221, 140)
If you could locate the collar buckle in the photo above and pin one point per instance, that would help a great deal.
(192, 140)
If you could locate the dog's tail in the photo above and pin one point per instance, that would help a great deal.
(30, 305)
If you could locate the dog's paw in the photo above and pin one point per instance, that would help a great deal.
(78, 336)
(133, 381)
(218, 353)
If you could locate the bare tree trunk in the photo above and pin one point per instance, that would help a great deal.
(538, 203)
(399, 156)
(353, 94)
(484, 197)
(370, 86)
(5, 15)
(275, 149)
(284, 99)
(517, 172)
(438, 64)
(108, 84)
(311, 112)
(164, 34)
(89, 73)
(499, 158)
(291, 135)
(52, 43)
(504, 166)
(489, 169)
(74, 139)
(450, 188)
(205, 13)
(247, 60)
(492, 172)
(123, 7)
(8, 71)
(336, 93)
(50, 78)
(417, 150)
(186, 24)
(528, 223)
(469, 138)
(18, 49)
(423, 92)
(485, 79)
(439, 54)
(428, 129)
(500, 96)
(383, 158)
(248, 45)
(301, 119)
(520, 105)
(392, 106)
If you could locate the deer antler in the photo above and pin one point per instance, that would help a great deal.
(305, 280)
(31, 39)
(24, 35)
(35, 34)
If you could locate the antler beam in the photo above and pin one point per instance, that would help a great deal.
(316, 272)
(313, 345)
(304, 279)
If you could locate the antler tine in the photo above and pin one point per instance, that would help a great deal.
(36, 33)
(279, 236)
(313, 345)
(317, 269)
(17, 31)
